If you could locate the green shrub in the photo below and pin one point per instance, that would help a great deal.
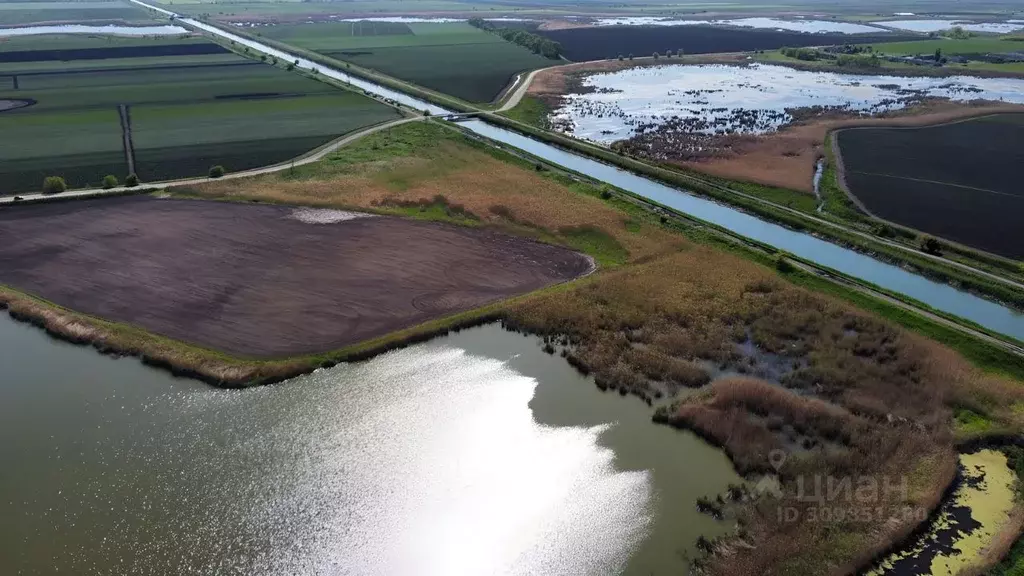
(109, 181)
(782, 264)
(884, 230)
(931, 246)
(54, 185)
(131, 180)
(216, 171)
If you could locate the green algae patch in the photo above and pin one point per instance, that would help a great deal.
(966, 524)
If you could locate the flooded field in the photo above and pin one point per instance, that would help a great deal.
(808, 26)
(940, 25)
(106, 30)
(746, 99)
(474, 454)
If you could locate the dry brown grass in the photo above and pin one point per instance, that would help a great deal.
(850, 395)
(786, 159)
(494, 191)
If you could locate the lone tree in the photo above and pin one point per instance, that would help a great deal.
(655, 55)
(263, 57)
(216, 171)
(54, 185)
(131, 180)
(291, 67)
(668, 53)
(630, 55)
(109, 181)
(938, 54)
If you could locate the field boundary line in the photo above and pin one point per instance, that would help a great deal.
(996, 192)
(840, 167)
(126, 136)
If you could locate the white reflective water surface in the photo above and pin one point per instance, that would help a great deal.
(751, 99)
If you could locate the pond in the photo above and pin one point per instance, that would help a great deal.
(103, 30)
(475, 453)
(808, 26)
(964, 525)
(747, 99)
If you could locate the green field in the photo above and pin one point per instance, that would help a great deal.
(181, 139)
(453, 58)
(217, 109)
(977, 45)
(20, 13)
(88, 141)
(973, 49)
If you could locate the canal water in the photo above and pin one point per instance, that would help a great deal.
(473, 454)
(939, 296)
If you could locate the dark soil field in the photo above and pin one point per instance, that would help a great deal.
(255, 280)
(959, 181)
(580, 44)
(177, 49)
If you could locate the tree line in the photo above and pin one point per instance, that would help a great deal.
(534, 42)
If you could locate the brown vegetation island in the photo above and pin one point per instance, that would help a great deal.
(751, 357)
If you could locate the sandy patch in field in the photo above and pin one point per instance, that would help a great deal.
(325, 215)
(490, 189)
(14, 104)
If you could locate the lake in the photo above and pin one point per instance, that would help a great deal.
(475, 453)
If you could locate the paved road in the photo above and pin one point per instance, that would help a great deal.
(307, 158)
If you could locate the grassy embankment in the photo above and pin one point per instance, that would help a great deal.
(673, 304)
(524, 117)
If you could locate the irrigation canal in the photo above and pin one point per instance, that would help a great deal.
(941, 297)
